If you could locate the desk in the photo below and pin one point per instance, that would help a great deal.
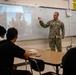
(50, 57)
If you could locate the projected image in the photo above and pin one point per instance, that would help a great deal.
(22, 22)
(14, 16)
(25, 20)
(3, 16)
(3, 20)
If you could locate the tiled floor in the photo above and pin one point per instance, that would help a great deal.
(66, 42)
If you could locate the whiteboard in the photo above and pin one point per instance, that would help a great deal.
(73, 24)
(25, 20)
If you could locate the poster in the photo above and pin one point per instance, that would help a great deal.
(74, 4)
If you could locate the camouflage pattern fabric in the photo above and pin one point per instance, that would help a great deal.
(56, 30)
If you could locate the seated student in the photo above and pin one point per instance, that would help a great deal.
(8, 50)
(69, 62)
(2, 32)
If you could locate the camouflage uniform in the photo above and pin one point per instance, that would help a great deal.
(54, 34)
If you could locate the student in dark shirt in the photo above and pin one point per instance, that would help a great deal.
(2, 32)
(8, 50)
(69, 62)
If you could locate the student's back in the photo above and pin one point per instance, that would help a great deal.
(69, 62)
(8, 50)
(2, 42)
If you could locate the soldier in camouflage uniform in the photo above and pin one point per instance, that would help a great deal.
(54, 35)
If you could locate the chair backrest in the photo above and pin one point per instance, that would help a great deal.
(37, 65)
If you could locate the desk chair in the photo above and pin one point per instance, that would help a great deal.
(68, 47)
(14, 67)
(39, 66)
(61, 66)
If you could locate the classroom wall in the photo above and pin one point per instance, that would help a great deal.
(39, 44)
(49, 3)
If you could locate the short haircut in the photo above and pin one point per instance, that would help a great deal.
(57, 13)
(2, 31)
(11, 33)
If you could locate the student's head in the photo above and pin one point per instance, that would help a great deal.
(2, 31)
(56, 15)
(12, 34)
